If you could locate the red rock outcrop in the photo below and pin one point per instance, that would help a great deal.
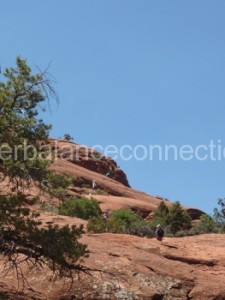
(134, 268)
(110, 193)
(88, 158)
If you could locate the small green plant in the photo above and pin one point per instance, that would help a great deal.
(80, 207)
(120, 221)
(97, 225)
(206, 224)
(56, 184)
(86, 185)
(68, 137)
(59, 193)
(141, 228)
(125, 216)
(56, 180)
(116, 226)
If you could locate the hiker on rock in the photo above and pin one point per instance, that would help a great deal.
(159, 233)
(93, 184)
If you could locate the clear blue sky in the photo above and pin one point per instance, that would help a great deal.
(132, 72)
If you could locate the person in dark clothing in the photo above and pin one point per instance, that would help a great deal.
(159, 233)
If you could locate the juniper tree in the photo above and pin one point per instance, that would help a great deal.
(160, 215)
(173, 218)
(178, 219)
(22, 135)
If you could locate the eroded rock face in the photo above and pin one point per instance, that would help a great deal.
(90, 159)
(110, 193)
(136, 268)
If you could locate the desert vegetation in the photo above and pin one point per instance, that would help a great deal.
(24, 162)
(174, 220)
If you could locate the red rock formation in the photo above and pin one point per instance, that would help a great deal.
(89, 158)
(116, 194)
(140, 268)
(133, 267)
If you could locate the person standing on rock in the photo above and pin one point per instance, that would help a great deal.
(159, 233)
(93, 184)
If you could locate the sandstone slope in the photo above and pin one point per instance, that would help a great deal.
(132, 267)
(140, 268)
(112, 193)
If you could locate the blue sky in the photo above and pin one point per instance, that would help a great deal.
(132, 73)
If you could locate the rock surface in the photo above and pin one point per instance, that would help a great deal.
(135, 268)
(132, 267)
(89, 158)
(111, 193)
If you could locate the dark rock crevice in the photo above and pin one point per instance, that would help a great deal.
(191, 260)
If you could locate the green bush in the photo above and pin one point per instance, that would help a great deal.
(194, 231)
(56, 184)
(115, 226)
(160, 215)
(59, 193)
(178, 219)
(206, 224)
(68, 137)
(120, 221)
(96, 225)
(141, 228)
(56, 180)
(56, 246)
(173, 219)
(80, 207)
(126, 216)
